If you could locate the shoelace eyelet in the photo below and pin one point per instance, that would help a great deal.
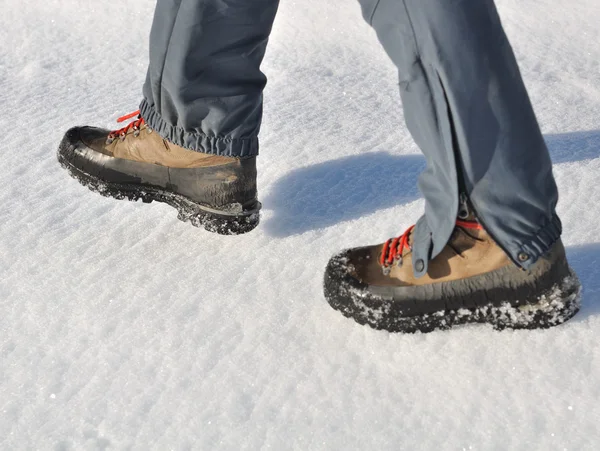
(393, 249)
(122, 133)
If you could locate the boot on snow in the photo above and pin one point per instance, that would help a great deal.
(214, 192)
(471, 281)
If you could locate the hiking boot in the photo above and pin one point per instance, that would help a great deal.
(471, 281)
(211, 191)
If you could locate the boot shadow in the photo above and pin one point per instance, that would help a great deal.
(585, 260)
(574, 146)
(322, 195)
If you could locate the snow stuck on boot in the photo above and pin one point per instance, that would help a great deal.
(552, 307)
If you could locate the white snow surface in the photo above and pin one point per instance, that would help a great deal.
(123, 328)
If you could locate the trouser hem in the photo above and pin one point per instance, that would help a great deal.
(539, 245)
(197, 141)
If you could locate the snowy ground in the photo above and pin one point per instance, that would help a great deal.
(123, 328)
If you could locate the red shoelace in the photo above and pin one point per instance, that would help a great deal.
(135, 125)
(394, 247)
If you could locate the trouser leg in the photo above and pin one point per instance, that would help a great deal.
(467, 108)
(204, 86)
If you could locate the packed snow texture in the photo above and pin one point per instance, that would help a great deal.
(123, 328)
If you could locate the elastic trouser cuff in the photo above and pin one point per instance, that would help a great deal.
(528, 252)
(197, 141)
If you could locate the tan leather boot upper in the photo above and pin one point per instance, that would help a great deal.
(469, 253)
(138, 142)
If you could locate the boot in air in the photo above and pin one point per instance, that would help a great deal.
(215, 192)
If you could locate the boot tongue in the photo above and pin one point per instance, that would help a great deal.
(469, 227)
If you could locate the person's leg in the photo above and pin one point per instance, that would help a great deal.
(467, 109)
(195, 142)
(204, 85)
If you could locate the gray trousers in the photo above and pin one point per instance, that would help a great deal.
(464, 103)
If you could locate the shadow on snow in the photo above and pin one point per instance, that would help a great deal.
(574, 146)
(322, 195)
(585, 260)
(325, 194)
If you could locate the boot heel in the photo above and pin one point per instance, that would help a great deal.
(553, 307)
(217, 222)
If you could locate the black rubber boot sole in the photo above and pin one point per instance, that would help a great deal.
(526, 308)
(188, 210)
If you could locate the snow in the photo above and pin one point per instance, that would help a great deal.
(123, 328)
